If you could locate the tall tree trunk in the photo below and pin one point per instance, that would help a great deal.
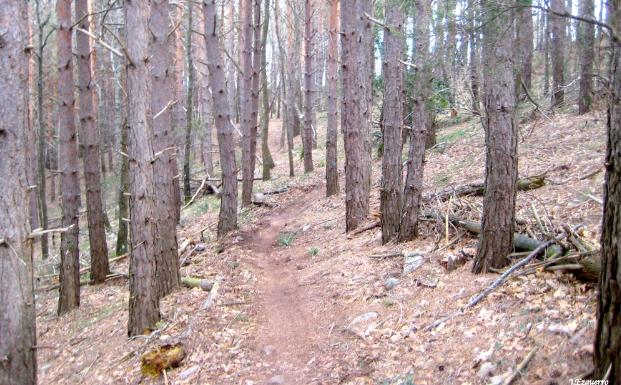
(227, 220)
(167, 259)
(41, 132)
(525, 45)
(248, 131)
(586, 38)
(546, 55)
(307, 137)
(501, 163)
(17, 307)
(355, 110)
(392, 175)
(558, 52)
(189, 108)
(90, 140)
(178, 113)
(123, 200)
(144, 309)
(422, 85)
(332, 173)
(607, 357)
(474, 57)
(268, 162)
(69, 296)
(204, 95)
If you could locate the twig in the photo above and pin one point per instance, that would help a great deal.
(101, 42)
(195, 194)
(39, 232)
(518, 370)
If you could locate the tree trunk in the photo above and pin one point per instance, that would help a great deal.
(525, 45)
(474, 58)
(307, 137)
(415, 166)
(167, 259)
(189, 108)
(17, 307)
(392, 175)
(43, 217)
(123, 200)
(558, 52)
(227, 220)
(268, 162)
(144, 309)
(355, 110)
(204, 95)
(69, 296)
(248, 131)
(495, 242)
(607, 357)
(90, 140)
(332, 173)
(586, 38)
(546, 55)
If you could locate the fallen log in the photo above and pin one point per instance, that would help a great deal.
(192, 282)
(521, 242)
(478, 189)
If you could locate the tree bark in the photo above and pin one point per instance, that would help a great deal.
(204, 95)
(167, 259)
(17, 307)
(189, 110)
(558, 52)
(392, 175)
(355, 110)
(332, 174)
(246, 101)
(474, 58)
(420, 123)
(268, 162)
(607, 349)
(307, 137)
(144, 310)
(586, 36)
(227, 220)
(525, 45)
(69, 296)
(495, 242)
(92, 157)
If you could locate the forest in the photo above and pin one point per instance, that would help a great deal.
(390, 192)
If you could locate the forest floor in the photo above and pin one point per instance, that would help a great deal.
(302, 302)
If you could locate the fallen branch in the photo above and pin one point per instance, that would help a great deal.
(363, 229)
(39, 232)
(195, 194)
(518, 370)
(211, 298)
(478, 189)
(276, 191)
(193, 282)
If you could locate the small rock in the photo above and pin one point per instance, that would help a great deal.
(189, 372)
(390, 283)
(268, 350)
(497, 380)
(395, 338)
(362, 318)
(258, 198)
(277, 380)
(411, 262)
(200, 247)
(486, 370)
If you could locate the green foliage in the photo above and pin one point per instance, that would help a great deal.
(286, 238)
(405, 379)
(452, 136)
(313, 251)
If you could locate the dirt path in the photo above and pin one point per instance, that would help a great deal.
(287, 329)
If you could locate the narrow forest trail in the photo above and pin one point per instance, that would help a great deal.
(287, 328)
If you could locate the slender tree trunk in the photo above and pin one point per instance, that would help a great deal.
(415, 166)
(607, 357)
(189, 108)
(17, 306)
(495, 241)
(546, 55)
(246, 101)
(144, 309)
(167, 259)
(558, 52)
(90, 140)
(474, 58)
(69, 296)
(355, 110)
(178, 114)
(268, 162)
(41, 131)
(525, 44)
(227, 220)
(586, 38)
(204, 95)
(332, 174)
(392, 175)
(123, 200)
(307, 137)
